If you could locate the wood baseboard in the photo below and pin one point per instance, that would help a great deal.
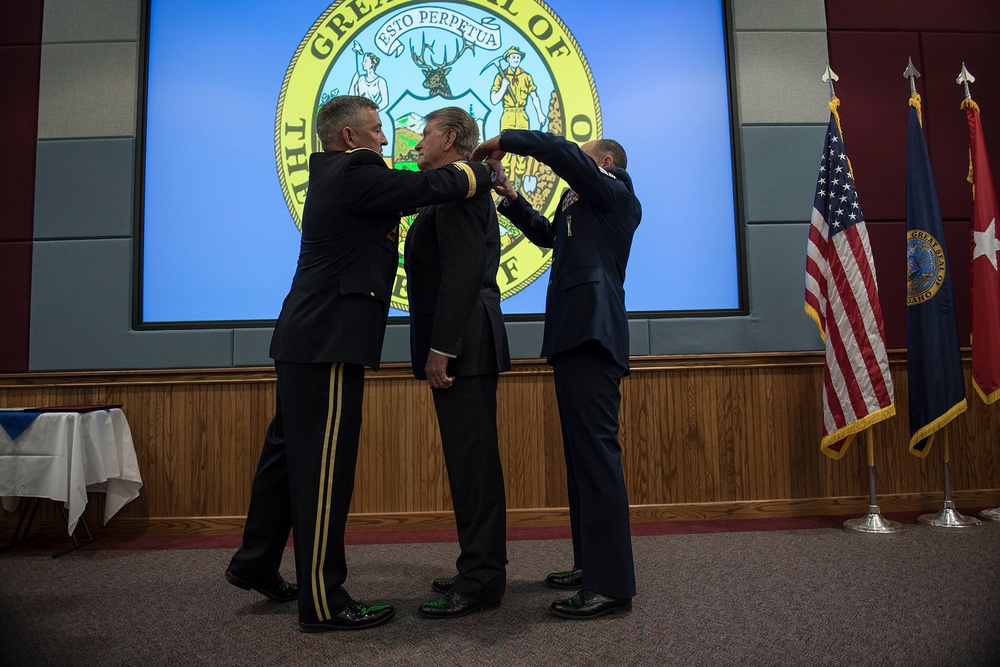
(760, 509)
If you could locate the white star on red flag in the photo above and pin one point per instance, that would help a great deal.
(987, 244)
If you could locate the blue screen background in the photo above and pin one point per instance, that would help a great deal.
(220, 245)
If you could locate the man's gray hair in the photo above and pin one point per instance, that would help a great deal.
(340, 112)
(458, 120)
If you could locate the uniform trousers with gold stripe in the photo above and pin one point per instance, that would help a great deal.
(304, 483)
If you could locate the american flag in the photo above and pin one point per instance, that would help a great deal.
(842, 298)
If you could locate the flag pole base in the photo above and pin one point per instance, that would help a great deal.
(949, 517)
(990, 515)
(873, 523)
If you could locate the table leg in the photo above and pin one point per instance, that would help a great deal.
(76, 543)
(20, 537)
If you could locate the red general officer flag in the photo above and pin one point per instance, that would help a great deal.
(985, 278)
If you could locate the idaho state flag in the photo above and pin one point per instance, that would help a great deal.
(934, 362)
(984, 279)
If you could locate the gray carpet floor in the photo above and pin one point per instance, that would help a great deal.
(924, 597)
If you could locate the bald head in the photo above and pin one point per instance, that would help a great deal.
(606, 153)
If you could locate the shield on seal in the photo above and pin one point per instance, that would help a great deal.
(407, 114)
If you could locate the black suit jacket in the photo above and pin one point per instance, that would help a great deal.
(590, 238)
(337, 308)
(451, 258)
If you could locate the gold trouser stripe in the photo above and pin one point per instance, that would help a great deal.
(325, 494)
(470, 174)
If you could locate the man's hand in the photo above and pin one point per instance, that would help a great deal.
(505, 190)
(436, 370)
(499, 173)
(488, 149)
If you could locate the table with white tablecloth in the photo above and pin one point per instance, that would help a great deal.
(62, 453)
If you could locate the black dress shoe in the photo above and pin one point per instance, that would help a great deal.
(587, 604)
(278, 590)
(570, 579)
(444, 585)
(453, 605)
(355, 616)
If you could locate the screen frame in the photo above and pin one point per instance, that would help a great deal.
(739, 220)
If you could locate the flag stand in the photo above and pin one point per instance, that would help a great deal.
(873, 522)
(948, 517)
(990, 515)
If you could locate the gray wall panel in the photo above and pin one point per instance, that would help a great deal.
(778, 77)
(700, 335)
(638, 338)
(87, 90)
(779, 15)
(202, 348)
(90, 21)
(84, 188)
(525, 339)
(80, 291)
(777, 267)
(250, 347)
(396, 347)
(780, 165)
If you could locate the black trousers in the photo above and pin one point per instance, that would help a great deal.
(304, 482)
(467, 418)
(588, 391)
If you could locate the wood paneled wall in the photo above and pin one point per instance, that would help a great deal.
(703, 437)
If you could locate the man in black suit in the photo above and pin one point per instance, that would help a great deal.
(331, 326)
(586, 343)
(458, 343)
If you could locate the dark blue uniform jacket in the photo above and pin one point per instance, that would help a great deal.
(591, 238)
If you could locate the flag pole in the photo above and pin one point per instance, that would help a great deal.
(924, 213)
(964, 79)
(873, 522)
(948, 517)
(858, 387)
(829, 76)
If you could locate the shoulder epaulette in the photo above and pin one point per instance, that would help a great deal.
(466, 168)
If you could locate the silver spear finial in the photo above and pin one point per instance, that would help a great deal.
(912, 74)
(965, 78)
(829, 76)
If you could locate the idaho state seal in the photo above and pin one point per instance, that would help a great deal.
(925, 267)
(512, 64)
